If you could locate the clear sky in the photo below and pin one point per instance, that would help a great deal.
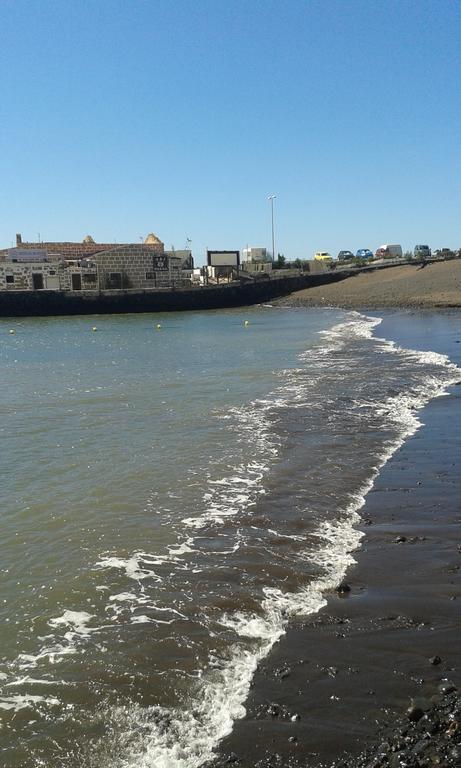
(122, 117)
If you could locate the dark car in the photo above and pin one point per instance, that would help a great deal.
(345, 255)
(364, 253)
(445, 253)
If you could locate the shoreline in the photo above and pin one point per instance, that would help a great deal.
(338, 679)
(430, 286)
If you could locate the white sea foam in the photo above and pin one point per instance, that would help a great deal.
(76, 620)
(26, 680)
(155, 737)
(190, 737)
(18, 702)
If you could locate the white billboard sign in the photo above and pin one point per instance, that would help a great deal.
(223, 258)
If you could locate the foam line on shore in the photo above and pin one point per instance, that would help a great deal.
(187, 738)
(156, 737)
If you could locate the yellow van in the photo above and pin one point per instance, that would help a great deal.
(323, 256)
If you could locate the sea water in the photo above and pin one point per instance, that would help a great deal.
(175, 489)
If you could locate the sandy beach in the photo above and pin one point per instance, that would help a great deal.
(432, 286)
(364, 682)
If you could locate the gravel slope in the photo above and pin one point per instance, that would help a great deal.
(431, 285)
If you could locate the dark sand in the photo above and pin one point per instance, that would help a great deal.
(338, 678)
(433, 285)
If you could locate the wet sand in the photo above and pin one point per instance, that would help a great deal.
(433, 285)
(338, 679)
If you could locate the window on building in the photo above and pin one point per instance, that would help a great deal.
(150, 276)
(89, 277)
(114, 280)
(10, 278)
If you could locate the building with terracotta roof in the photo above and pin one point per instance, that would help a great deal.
(93, 266)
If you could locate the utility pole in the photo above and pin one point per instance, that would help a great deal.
(272, 198)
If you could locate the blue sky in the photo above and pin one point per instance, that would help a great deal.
(121, 117)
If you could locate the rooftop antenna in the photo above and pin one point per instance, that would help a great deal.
(188, 244)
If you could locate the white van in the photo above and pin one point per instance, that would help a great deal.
(389, 252)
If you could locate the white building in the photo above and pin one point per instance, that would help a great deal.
(256, 260)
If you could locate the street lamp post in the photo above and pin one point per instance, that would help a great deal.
(272, 198)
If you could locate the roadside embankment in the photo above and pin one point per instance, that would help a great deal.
(431, 285)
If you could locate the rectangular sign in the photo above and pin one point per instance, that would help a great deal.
(27, 254)
(223, 258)
(160, 262)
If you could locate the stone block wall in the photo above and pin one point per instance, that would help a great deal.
(56, 276)
(137, 267)
(69, 251)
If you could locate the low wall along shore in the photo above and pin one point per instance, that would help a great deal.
(42, 303)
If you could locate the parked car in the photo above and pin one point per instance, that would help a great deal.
(422, 252)
(323, 256)
(345, 255)
(389, 252)
(445, 253)
(364, 253)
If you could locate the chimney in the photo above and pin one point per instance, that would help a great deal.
(18, 239)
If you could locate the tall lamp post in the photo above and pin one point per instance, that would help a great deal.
(272, 198)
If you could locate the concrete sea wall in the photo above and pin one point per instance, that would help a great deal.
(43, 302)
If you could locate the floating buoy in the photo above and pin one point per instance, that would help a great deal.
(158, 326)
(94, 328)
(12, 330)
(247, 322)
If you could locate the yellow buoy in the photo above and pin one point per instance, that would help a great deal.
(247, 322)
(158, 326)
(12, 330)
(94, 328)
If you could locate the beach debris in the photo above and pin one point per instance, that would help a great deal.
(295, 718)
(284, 673)
(273, 710)
(400, 539)
(435, 660)
(330, 671)
(414, 713)
(428, 735)
(446, 687)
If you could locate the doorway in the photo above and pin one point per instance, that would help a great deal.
(37, 281)
(76, 282)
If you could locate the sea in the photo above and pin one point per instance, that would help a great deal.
(176, 489)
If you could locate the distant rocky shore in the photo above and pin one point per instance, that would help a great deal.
(431, 285)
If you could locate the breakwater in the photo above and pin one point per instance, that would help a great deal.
(43, 303)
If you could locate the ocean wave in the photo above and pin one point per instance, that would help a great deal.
(186, 737)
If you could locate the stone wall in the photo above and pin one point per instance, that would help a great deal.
(140, 267)
(68, 250)
(48, 303)
(55, 276)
